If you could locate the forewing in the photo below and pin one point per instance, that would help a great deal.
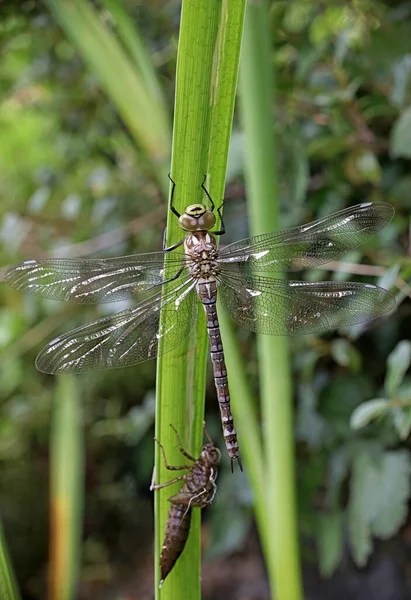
(127, 338)
(89, 281)
(310, 245)
(278, 307)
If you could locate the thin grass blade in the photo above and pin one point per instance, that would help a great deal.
(256, 97)
(67, 489)
(8, 583)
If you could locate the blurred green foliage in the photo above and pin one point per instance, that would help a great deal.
(73, 183)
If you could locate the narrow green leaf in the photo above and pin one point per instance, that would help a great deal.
(358, 510)
(330, 542)
(209, 46)
(367, 411)
(398, 363)
(67, 490)
(400, 143)
(8, 583)
(244, 412)
(256, 98)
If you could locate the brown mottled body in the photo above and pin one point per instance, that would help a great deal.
(201, 248)
(175, 538)
(198, 491)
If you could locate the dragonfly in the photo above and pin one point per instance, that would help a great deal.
(196, 271)
(197, 491)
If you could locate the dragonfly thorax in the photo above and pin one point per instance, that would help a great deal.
(197, 218)
(201, 251)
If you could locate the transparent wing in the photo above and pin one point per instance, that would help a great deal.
(127, 338)
(313, 244)
(89, 281)
(278, 307)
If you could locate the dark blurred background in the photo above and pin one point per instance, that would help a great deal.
(73, 183)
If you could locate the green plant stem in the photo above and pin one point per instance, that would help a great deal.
(256, 89)
(8, 584)
(244, 412)
(207, 68)
(67, 490)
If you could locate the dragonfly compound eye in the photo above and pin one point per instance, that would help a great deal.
(188, 223)
(196, 217)
(206, 221)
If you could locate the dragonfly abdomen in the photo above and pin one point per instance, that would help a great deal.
(208, 297)
(177, 530)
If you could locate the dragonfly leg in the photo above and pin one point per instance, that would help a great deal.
(167, 466)
(207, 194)
(222, 226)
(159, 486)
(180, 445)
(222, 229)
(174, 246)
(177, 214)
(173, 278)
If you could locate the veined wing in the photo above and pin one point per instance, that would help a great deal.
(278, 307)
(89, 281)
(127, 338)
(313, 244)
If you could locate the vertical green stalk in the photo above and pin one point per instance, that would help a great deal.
(256, 94)
(207, 66)
(244, 412)
(8, 584)
(67, 469)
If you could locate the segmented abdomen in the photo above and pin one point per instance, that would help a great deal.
(177, 530)
(208, 296)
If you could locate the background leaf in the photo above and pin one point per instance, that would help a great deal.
(373, 508)
(401, 136)
(398, 364)
(367, 411)
(359, 509)
(330, 542)
(388, 512)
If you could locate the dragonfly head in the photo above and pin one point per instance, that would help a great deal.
(197, 218)
(211, 454)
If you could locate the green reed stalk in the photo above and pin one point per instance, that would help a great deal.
(207, 68)
(8, 583)
(66, 491)
(208, 55)
(256, 101)
(244, 412)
